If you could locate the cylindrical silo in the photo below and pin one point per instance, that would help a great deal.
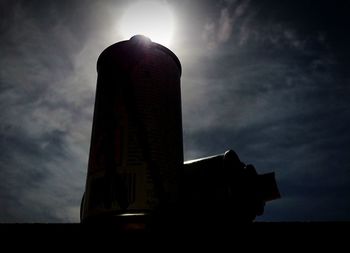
(136, 151)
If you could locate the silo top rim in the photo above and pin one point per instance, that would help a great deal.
(144, 41)
(140, 37)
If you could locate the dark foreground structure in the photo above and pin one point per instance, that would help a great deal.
(137, 178)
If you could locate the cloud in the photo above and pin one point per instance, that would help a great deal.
(239, 23)
(47, 94)
(225, 26)
(277, 95)
(219, 30)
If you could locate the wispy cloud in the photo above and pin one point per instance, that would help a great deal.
(278, 96)
(225, 26)
(47, 94)
(219, 29)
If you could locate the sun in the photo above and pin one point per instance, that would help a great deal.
(153, 19)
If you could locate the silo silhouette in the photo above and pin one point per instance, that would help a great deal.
(136, 150)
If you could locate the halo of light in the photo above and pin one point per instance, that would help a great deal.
(153, 19)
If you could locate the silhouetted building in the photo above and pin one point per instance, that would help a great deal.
(136, 175)
(136, 151)
(222, 189)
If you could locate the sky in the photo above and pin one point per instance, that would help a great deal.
(268, 79)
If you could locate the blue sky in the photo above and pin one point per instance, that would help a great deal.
(268, 79)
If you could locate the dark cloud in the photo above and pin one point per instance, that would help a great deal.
(276, 92)
(268, 79)
(46, 113)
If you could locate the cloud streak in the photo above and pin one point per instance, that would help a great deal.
(277, 94)
(219, 29)
(273, 89)
(46, 102)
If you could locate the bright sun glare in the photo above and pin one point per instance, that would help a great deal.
(153, 19)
